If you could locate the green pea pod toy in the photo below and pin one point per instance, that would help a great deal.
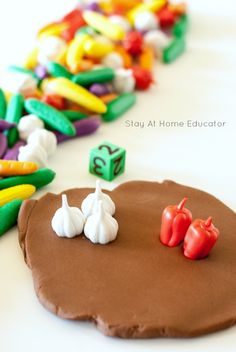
(3, 105)
(174, 50)
(38, 179)
(13, 115)
(119, 106)
(100, 75)
(57, 70)
(74, 115)
(51, 116)
(8, 215)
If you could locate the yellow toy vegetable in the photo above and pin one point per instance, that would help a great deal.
(97, 49)
(17, 192)
(75, 51)
(52, 29)
(32, 59)
(103, 25)
(79, 95)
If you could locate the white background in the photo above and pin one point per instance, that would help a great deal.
(199, 86)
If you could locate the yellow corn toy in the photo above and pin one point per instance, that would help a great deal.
(75, 51)
(96, 49)
(74, 92)
(152, 6)
(32, 59)
(52, 29)
(103, 25)
(17, 192)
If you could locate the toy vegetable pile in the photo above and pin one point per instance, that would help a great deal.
(90, 62)
(83, 70)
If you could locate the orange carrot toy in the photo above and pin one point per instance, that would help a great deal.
(14, 168)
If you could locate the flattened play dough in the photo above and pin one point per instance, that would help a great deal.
(134, 286)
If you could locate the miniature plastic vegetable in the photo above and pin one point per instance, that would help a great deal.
(50, 115)
(38, 179)
(17, 192)
(200, 238)
(174, 224)
(13, 168)
(8, 215)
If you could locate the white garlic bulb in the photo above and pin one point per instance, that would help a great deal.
(18, 82)
(113, 60)
(146, 21)
(101, 227)
(28, 124)
(156, 40)
(124, 81)
(33, 153)
(45, 139)
(90, 203)
(51, 48)
(67, 221)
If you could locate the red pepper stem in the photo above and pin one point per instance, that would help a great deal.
(208, 222)
(182, 203)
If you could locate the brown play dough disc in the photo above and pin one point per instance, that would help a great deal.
(134, 286)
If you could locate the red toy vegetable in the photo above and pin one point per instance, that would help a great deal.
(75, 21)
(143, 78)
(200, 238)
(72, 16)
(133, 43)
(166, 18)
(55, 100)
(175, 222)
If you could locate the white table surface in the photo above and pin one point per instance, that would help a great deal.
(199, 86)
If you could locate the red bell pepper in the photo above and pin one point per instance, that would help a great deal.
(200, 238)
(72, 16)
(133, 43)
(75, 21)
(166, 17)
(175, 222)
(143, 78)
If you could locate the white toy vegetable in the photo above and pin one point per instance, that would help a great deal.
(67, 221)
(156, 40)
(113, 60)
(33, 153)
(124, 81)
(51, 48)
(29, 124)
(101, 227)
(18, 82)
(146, 21)
(45, 139)
(90, 203)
